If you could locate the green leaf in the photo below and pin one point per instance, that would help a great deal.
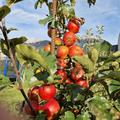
(83, 116)
(11, 29)
(67, 11)
(114, 86)
(85, 61)
(42, 75)
(93, 54)
(73, 2)
(4, 11)
(91, 2)
(114, 75)
(13, 42)
(117, 104)
(100, 107)
(46, 20)
(16, 41)
(103, 48)
(40, 116)
(50, 61)
(4, 81)
(76, 92)
(116, 54)
(69, 116)
(4, 48)
(39, 3)
(28, 53)
(9, 2)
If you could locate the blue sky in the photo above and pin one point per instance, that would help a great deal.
(25, 18)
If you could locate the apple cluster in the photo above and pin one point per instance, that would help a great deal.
(42, 98)
(70, 72)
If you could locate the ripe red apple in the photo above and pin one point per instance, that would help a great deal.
(73, 26)
(75, 51)
(77, 73)
(61, 63)
(58, 41)
(51, 108)
(62, 74)
(47, 91)
(82, 83)
(33, 94)
(69, 38)
(47, 48)
(62, 52)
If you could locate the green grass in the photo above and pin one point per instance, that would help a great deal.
(11, 96)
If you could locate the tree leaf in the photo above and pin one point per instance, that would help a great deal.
(73, 2)
(76, 92)
(40, 116)
(11, 29)
(69, 116)
(91, 2)
(4, 48)
(28, 53)
(83, 116)
(114, 75)
(114, 86)
(93, 54)
(103, 48)
(9, 2)
(100, 107)
(42, 75)
(39, 3)
(50, 61)
(4, 81)
(46, 20)
(87, 64)
(116, 54)
(67, 11)
(4, 11)
(16, 41)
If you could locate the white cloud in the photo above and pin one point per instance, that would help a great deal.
(22, 16)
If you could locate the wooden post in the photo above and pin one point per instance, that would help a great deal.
(54, 11)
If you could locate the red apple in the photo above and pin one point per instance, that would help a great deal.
(82, 83)
(51, 108)
(69, 38)
(62, 74)
(62, 52)
(77, 73)
(33, 94)
(58, 41)
(47, 91)
(47, 48)
(75, 51)
(73, 26)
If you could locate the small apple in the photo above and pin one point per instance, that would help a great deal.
(62, 52)
(47, 91)
(75, 51)
(69, 38)
(58, 41)
(51, 108)
(47, 47)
